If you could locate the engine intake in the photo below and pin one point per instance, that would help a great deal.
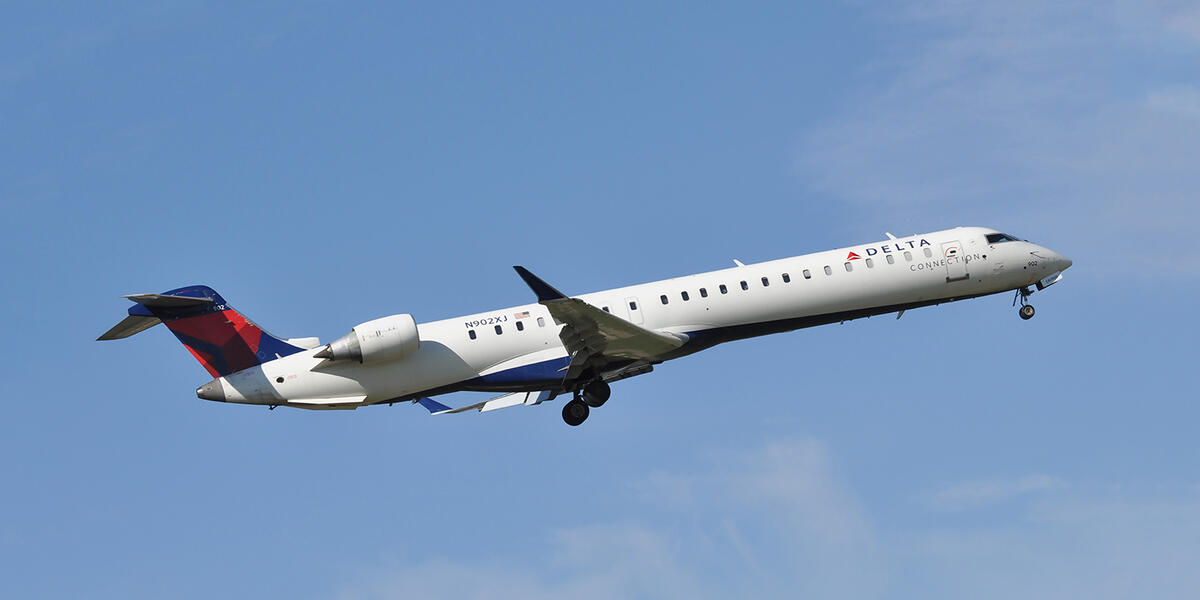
(382, 339)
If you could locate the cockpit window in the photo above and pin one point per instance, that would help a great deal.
(996, 238)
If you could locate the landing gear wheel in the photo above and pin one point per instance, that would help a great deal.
(575, 412)
(1026, 312)
(596, 393)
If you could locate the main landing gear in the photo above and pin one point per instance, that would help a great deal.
(575, 412)
(1026, 311)
(593, 395)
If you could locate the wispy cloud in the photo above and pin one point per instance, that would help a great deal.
(792, 526)
(1182, 100)
(1027, 113)
(974, 494)
(1185, 20)
(776, 521)
(1099, 547)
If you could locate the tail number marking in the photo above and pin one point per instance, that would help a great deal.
(486, 321)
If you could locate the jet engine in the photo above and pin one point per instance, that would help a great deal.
(382, 339)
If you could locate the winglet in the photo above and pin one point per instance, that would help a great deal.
(543, 290)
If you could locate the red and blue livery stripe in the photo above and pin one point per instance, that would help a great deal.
(221, 338)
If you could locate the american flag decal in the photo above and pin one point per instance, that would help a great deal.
(521, 315)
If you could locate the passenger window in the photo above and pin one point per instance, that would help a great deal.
(471, 333)
(787, 278)
(541, 322)
(849, 267)
(807, 274)
(499, 330)
(520, 326)
(703, 293)
(928, 253)
(766, 282)
(684, 295)
(891, 259)
(663, 298)
(870, 263)
(633, 306)
(908, 256)
(724, 290)
(828, 271)
(745, 286)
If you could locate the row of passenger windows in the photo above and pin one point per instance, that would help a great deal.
(766, 281)
(541, 322)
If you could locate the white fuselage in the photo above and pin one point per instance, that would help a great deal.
(487, 351)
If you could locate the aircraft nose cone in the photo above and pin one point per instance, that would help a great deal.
(212, 390)
(1060, 262)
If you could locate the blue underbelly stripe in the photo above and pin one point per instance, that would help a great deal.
(547, 370)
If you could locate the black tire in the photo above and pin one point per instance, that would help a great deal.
(596, 393)
(1026, 312)
(575, 412)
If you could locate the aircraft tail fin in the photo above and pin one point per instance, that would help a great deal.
(218, 336)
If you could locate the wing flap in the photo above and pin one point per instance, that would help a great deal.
(507, 400)
(605, 333)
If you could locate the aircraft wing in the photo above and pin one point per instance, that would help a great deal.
(594, 338)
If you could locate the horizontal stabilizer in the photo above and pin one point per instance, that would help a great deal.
(165, 301)
(129, 326)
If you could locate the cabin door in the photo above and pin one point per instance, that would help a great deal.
(956, 261)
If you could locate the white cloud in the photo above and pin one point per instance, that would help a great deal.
(974, 494)
(778, 511)
(1186, 21)
(1059, 116)
(1097, 547)
(1183, 101)
(609, 561)
(777, 522)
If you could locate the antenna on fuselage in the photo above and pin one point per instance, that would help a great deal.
(890, 236)
(738, 262)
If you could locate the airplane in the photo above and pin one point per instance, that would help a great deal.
(579, 345)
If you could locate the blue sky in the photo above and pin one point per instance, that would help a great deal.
(322, 165)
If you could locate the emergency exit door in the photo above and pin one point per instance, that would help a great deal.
(956, 261)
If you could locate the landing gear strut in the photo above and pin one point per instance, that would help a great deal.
(575, 412)
(1026, 311)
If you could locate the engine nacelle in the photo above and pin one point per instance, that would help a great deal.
(382, 339)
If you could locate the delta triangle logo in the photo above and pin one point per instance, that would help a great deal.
(852, 256)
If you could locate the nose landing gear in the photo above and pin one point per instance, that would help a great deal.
(1026, 311)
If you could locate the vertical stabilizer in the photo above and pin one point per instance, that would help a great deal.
(221, 338)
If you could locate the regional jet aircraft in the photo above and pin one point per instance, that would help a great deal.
(578, 345)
